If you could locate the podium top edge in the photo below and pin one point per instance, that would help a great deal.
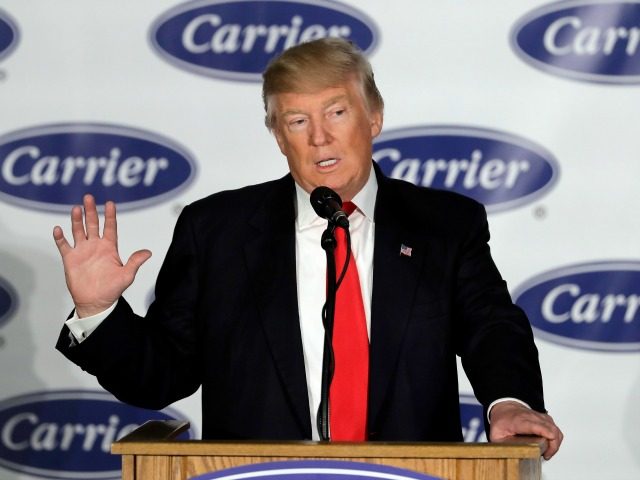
(532, 448)
(157, 438)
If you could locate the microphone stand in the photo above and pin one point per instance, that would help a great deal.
(328, 243)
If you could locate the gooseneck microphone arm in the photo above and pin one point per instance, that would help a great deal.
(327, 204)
(328, 243)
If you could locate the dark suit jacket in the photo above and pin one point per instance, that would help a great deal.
(226, 317)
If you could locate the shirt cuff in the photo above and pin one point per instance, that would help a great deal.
(505, 399)
(81, 328)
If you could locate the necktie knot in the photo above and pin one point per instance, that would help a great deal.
(348, 207)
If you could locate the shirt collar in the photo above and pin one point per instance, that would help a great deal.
(365, 200)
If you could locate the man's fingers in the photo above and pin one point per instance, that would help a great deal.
(91, 217)
(110, 222)
(543, 425)
(553, 446)
(77, 225)
(518, 421)
(61, 242)
(554, 436)
(136, 260)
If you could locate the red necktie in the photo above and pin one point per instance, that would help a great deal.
(348, 394)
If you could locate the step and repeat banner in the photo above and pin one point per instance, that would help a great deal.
(531, 107)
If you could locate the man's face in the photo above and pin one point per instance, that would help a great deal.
(327, 137)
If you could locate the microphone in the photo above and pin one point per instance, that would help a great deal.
(328, 204)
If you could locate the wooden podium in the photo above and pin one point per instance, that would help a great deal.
(150, 453)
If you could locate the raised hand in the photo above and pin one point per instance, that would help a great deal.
(94, 272)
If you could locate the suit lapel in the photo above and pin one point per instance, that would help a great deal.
(270, 256)
(395, 277)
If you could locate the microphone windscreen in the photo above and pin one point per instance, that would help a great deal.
(325, 201)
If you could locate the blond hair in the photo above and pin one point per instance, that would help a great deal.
(315, 65)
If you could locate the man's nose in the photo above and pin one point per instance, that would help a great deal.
(319, 134)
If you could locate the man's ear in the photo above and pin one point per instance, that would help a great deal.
(376, 119)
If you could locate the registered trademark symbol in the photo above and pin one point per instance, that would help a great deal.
(540, 213)
(177, 208)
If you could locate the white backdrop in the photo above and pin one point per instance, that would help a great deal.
(437, 63)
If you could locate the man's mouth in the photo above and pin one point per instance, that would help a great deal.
(327, 162)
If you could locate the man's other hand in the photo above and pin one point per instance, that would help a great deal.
(511, 418)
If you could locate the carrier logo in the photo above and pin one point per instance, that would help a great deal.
(498, 169)
(235, 39)
(472, 418)
(67, 434)
(593, 306)
(316, 470)
(8, 301)
(8, 34)
(51, 167)
(589, 40)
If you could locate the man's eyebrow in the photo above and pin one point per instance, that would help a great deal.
(293, 111)
(328, 103)
(333, 100)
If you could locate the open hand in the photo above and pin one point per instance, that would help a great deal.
(94, 272)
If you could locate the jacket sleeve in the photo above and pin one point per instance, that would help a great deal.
(149, 361)
(494, 337)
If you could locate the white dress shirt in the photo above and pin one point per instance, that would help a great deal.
(311, 271)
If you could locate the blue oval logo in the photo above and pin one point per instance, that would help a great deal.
(589, 40)
(316, 470)
(472, 419)
(67, 434)
(8, 301)
(498, 169)
(594, 306)
(9, 35)
(235, 39)
(50, 167)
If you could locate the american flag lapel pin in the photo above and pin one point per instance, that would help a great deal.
(405, 250)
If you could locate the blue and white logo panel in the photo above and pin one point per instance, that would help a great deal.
(588, 40)
(472, 419)
(8, 301)
(316, 470)
(236, 39)
(51, 167)
(498, 169)
(9, 34)
(594, 306)
(67, 434)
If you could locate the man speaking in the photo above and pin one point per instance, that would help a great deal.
(241, 293)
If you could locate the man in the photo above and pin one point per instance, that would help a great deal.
(239, 295)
